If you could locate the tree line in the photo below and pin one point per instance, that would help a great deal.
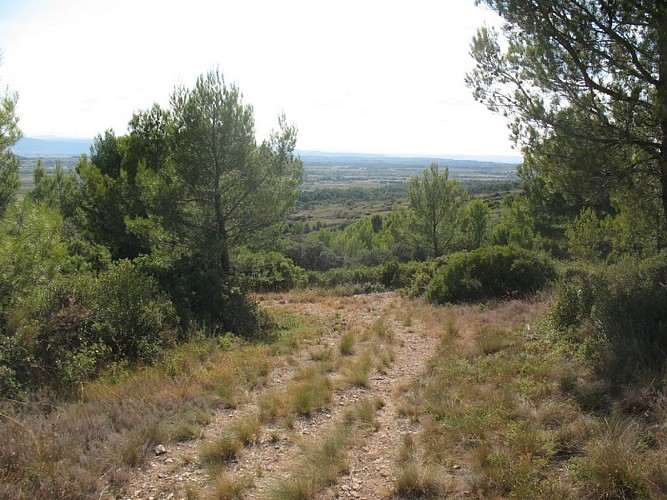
(121, 258)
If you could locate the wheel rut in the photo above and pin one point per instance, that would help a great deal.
(276, 454)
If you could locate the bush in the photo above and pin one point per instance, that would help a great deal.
(75, 326)
(268, 271)
(395, 275)
(622, 311)
(365, 279)
(491, 272)
(311, 253)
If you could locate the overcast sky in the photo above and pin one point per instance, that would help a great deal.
(368, 76)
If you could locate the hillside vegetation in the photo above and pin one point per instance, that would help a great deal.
(180, 317)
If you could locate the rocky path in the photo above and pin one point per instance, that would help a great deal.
(275, 456)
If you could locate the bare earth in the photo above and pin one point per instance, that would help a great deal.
(180, 474)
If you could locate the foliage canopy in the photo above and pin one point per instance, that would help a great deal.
(586, 85)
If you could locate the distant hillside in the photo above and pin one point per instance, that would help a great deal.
(318, 158)
(321, 168)
(345, 169)
(30, 147)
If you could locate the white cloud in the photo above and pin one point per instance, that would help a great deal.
(375, 76)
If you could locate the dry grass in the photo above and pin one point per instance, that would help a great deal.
(310, 390)
(224, 449)
(226, 487)
(506, 401)
(50, 447)
(323, 461)
(413, 478)
(247, 429)
(347, 343)
(357, 371)
(363, 413)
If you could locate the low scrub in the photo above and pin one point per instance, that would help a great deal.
(618, 316)
(487, 273)
(360, 279)
(71, 329)
(268, 271)
(53, 449)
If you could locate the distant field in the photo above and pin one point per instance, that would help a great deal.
(328, 170)
(364, 185)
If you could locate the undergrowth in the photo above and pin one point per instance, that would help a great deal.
(505, 400)
(52, 449)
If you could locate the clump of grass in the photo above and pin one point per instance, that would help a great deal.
(363, 413)
(416, 481)
(413, 479)
(253, 365)
(385, 357)
(383, 330)
(451, 326)
(322, 463)
(322, 354)
(226, 487)
(410, 404)
(347, 343)
(492, 340)
(309, 391)
(223, 382)
(272, 404)
(189, 424)
(311, 394)
(357, 372)
(611, 466)
(247, 429)
(224, 449)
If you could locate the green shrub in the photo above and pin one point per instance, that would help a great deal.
(490, 272)
(366, 279)
(75, 326)
(621, 311)
(395, 275)
(268, 271)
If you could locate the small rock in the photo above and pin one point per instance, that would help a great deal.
(456, 467)
(169, 460)
(160, 450)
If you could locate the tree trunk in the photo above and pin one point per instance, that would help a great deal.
(661, 90)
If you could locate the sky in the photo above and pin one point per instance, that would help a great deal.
(364, 76)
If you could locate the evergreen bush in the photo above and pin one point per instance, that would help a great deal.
(490, 272)
(625, 308)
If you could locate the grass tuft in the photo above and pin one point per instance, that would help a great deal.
(413, 479)
(357, 371)
(226, 487)
(347, 343)
(611, 466)
(321, 465)
(221, 451)
(248, 429)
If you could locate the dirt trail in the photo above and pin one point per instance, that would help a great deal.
(180, 474)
